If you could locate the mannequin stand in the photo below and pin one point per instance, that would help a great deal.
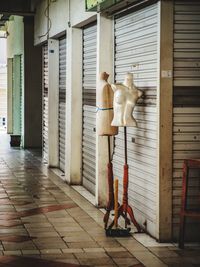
(125, 209)
(110, 204)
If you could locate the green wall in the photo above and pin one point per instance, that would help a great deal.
(17, 95)
(15, 50)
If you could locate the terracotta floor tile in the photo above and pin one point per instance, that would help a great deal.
(13, 230)
(58, 256)
(63, 230)
(35, 218)
(18, 246)
(49, 243)
(100, 238)
(95, 261)
(61, 220)
(44, 234)
(93, 250)
(77, 239)
(125, 261)
(107, 244)
(16, 238)
(91, 255)
(72, 250)
(32, 229)
(12, 223)
(108, 265)
(83, 245)
(58, 214)
(119, 254)
(38, 225)
(7, 208)
(15, 252)
(45, 209)
(78, 233)
(31, 252)
(50, 251)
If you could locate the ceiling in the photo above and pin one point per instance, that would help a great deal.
(16, 7)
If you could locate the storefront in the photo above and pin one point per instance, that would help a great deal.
(89, 107)
(62, 101)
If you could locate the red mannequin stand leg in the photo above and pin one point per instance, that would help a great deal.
(125, 208)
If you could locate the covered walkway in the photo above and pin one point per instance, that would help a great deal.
(45, 222)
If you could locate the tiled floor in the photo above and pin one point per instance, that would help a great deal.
(46, 223)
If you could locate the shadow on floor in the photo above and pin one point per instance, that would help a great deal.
(12, 261)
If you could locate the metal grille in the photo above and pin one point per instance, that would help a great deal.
(186, 113)
(45, 102)
(89, 110)
(136, 45)
(62, 101)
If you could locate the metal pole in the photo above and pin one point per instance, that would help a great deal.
(109, 152)
(125, 145)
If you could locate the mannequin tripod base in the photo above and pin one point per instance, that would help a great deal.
(118, 232)
(107, 216)
(110, 205)
(124, 210)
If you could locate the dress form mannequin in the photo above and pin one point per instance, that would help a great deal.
(104, 118)
(125, 99)
(105, 107)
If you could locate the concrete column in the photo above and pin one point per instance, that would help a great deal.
(104, 63)
(53, 103)
(9, 95)
(73, 107)
(32, 88)
(165, 127)
(17, 87)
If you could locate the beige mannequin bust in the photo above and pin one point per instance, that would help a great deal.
(125, 99)
(105, 107)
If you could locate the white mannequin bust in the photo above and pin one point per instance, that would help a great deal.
(125, 99)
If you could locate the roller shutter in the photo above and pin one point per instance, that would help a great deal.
(45, 103)
(186, 113)
(21, 96)
(136, 46)
(62, 101)
(89, 109)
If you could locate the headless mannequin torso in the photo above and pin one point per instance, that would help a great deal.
(105, 107)
(125, 99)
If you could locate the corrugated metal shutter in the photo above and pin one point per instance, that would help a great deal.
(45, 102)
(186, 117)
(21, 95)
(136, 46)
(62, 101)
(186, 145)
(89, 108)
(186, 43)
